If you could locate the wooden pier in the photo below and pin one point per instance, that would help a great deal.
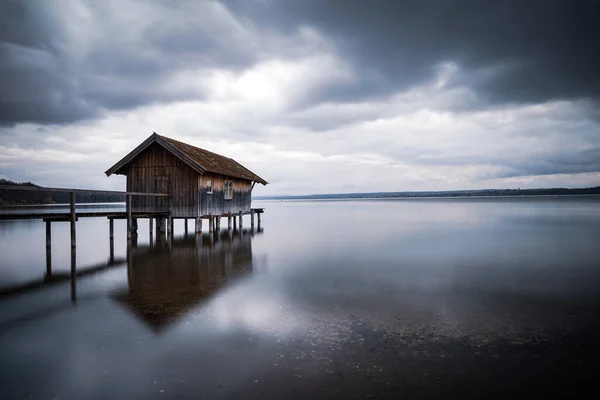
(163, 216)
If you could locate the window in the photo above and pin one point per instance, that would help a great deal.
(209, 188)
(228, 190)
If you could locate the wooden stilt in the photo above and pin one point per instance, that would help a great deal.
(111, 238)
(241, 225)
(229, 221)
(258, 217)
(186, 226)
(210, 224)
(112, 251)
(198, 224)
(161, 226)
(234, 222)
(252, 220)
(72, 220)
(129, 265)
(170, 226)
(73, 277)
(73, 248)
(134, 226)
(129, 218)
(218, 229)
(151, 229)
(48, 249)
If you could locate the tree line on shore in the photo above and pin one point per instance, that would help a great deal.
(449, 193)
(29, 197)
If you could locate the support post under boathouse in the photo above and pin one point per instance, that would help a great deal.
(200, 184)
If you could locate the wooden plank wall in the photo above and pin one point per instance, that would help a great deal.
(158, 171)
(215, 203)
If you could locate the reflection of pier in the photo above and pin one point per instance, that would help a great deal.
(170, 278)
(164, 222)
(55, 278)
(165, 279)
(209, 248)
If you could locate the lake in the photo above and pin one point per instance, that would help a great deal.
(460, 297)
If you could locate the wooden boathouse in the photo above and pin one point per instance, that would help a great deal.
(166, 179)
(201, 184)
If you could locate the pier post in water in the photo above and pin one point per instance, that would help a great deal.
(258, 217)
(229, 221)
(241, 225)
(170, 226)
(160, 226)
(72, 220)
(234, 222)
(218, 227)
(185, 224)
(151, 228)
(111, 238)
(73, 249)
(48, 249)
(252, 220)
(129, 219)
(210, 224)
(198, 224)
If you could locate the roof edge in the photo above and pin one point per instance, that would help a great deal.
(167, 145)
(154, 138)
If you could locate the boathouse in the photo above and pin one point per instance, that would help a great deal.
(202, 184)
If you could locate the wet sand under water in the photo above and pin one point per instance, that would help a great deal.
(377, 365)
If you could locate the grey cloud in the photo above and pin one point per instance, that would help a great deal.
(509, 50)
(43, 81)
(35, 84)
(560, 163)
(528, 162)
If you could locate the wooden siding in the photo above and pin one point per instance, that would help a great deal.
(158, 171)
(215, 203)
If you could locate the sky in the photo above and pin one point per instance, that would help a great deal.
(314, 96)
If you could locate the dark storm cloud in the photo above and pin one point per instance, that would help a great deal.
(45, 78)
(506, 50)
(527, 163)
(521, 51)
(560, 163)
(34, 80)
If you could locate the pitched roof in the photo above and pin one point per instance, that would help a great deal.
(198, 159)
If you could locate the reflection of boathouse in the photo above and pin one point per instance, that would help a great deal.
(167, 280)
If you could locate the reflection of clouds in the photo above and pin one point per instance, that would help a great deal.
(256, 309)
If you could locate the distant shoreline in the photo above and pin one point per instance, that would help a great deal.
(546, 196)
(17, 198)
(443, 194)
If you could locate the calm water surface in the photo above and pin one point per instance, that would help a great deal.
(333, 299)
